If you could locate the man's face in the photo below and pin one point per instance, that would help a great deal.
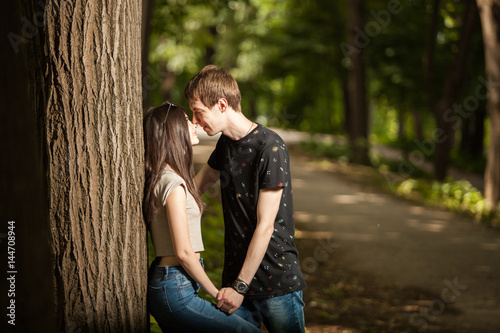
(206, 118)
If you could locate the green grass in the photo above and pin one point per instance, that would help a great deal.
(459, 196)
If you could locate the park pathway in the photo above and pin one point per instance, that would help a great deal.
(398, 242)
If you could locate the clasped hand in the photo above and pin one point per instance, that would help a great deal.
(228, 300)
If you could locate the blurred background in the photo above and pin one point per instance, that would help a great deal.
(291, 60)
(373, 75)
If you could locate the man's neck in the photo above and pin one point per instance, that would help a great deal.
(238, 126)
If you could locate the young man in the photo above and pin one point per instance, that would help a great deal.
(262, 279)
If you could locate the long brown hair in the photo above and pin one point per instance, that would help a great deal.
(166, 141)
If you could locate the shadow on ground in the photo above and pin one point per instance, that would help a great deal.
(341, 299)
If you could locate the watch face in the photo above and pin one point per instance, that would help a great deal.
(240, 286)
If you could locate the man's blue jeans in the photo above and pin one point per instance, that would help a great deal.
(282, 314)
(174, 303)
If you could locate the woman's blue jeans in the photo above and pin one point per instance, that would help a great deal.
(174, 303)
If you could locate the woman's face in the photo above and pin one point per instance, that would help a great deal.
(192, 132)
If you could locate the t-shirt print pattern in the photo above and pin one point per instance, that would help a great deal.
(259, 160)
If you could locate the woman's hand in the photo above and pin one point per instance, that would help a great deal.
(228, 300)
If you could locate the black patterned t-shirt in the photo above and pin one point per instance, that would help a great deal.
(259, 160)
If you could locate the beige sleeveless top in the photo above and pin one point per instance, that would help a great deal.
(160, 230)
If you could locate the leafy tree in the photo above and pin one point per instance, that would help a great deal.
(443, 105)
(357, 103)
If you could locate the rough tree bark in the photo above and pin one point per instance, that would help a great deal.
(87, 88)
(490, 21)
(358, 118)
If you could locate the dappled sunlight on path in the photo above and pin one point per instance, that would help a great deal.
(399, 243)
(404, 244)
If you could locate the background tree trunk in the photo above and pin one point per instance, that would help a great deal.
(87, 88)
(358, 119)
(490, 19)
(452, 85)
(472, 134)
(417, 123)
(25, 252)
(401, 125)
(347, 107)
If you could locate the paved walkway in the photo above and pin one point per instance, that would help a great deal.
(447, 255)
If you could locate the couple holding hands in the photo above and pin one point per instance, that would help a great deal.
(261, 282)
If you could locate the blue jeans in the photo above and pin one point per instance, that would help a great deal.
(282, 314)
(174, 303)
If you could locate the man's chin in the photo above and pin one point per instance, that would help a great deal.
(209, 132)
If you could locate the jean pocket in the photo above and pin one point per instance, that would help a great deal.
(158, 300)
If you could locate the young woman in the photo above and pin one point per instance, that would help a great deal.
(172, 210)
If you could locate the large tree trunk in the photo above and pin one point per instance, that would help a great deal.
(358, 119)
(87, 88)
(490, 19)
(452, 85)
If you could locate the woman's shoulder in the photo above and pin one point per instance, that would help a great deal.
(168, 181)
(169, 175)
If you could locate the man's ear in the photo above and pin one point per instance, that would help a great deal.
(223, 104)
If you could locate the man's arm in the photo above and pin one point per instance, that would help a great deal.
(267, 208)
(205, 178)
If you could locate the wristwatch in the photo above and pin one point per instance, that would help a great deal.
(240, 286)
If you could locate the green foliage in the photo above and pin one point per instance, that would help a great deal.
(464, 161)
(339, 150)
(212, 228)
(292, 71)
(288, 60)
(320, 148)
(394, 166)
(459, 196)
(153, 325)
(151, 250)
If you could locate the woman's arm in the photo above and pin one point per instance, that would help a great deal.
(205, 178)
(179, 229)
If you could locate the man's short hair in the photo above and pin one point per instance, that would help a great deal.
(211, 84)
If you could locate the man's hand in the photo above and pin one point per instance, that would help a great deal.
(229, 300)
